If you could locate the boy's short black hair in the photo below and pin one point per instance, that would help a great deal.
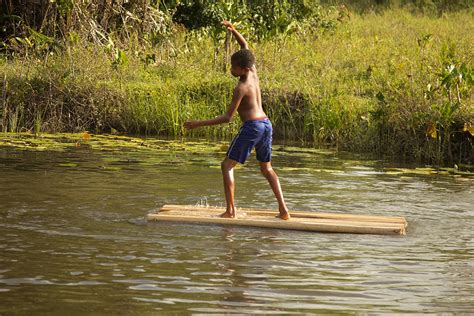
(243, 58)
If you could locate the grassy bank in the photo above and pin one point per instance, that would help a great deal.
(392, 83)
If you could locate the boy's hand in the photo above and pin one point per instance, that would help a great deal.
(191, 124)
(240, 39)
(228, 25)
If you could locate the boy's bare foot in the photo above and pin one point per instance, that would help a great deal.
(227, 214)
(284, 214)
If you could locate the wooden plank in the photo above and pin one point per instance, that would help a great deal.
(280, 224)
(266, 218)
(213, 212)
(294, 214)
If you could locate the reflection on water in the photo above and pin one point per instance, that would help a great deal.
(73, 236)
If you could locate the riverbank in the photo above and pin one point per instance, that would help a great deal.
(391, 83)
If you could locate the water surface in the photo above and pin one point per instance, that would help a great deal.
(73, 235)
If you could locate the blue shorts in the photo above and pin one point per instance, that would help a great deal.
(253, 133)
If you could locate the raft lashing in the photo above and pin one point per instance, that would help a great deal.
(303, 221)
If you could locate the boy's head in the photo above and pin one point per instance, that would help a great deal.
(241, 62)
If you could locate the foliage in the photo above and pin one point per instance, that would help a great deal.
(260, 19)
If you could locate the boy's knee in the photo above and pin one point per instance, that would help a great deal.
(226, 165)
(266, 171)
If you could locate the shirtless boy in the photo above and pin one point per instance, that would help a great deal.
(256, 130)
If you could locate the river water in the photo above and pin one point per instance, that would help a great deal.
(74, 239)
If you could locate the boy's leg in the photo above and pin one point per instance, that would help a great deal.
(227, 167)
(270, 174)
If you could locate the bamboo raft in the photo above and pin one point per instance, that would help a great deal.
(305, 221)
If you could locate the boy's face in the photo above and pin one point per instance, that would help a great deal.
(238, 71)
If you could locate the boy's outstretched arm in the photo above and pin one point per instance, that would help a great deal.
(240, 39)
(225, 118)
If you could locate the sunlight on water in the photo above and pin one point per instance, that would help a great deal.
(73, 235)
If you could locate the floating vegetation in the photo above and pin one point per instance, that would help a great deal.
(72, 165)
(428, 171)
(178, 152)
(104, 142)
(78, 141)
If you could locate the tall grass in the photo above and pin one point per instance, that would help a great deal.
(374, 83)
(432, 7)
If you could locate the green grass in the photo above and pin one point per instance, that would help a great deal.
(363, 86)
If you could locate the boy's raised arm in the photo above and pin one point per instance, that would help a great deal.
(240, 39)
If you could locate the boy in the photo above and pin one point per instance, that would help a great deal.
(256, 130)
